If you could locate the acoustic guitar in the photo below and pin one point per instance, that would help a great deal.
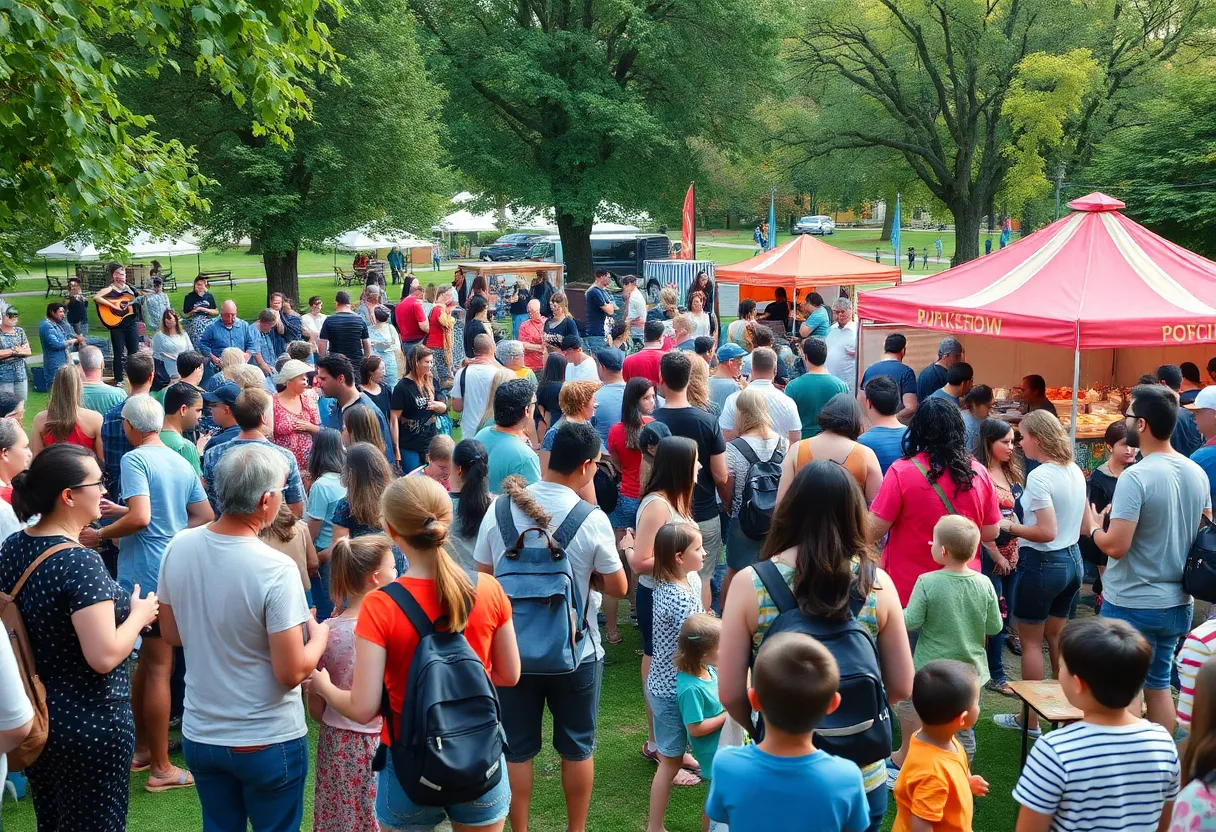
(112, 318)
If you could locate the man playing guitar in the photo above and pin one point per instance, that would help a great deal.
(116, 308)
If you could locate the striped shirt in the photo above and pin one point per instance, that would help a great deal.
(1197, 648)
(1097, 777)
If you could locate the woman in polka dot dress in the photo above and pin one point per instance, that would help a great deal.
(82, 629)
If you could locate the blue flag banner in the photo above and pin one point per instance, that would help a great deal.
(771, 242)
(895, 231)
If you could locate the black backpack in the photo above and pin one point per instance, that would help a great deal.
(759, 490)
(448, 747)
(607, 485)
(860, 729)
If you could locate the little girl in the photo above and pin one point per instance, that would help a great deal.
(345, 795)
(697, 690)
(678, 555)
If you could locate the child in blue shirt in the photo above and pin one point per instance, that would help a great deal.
(697, 690)
(769, 786)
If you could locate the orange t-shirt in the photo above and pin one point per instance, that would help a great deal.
(935, 785)
(382, 622)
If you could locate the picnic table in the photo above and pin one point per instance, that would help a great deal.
(1046, 699)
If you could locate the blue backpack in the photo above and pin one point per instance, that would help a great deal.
(547, 607)
(860, 729)
(449, 744)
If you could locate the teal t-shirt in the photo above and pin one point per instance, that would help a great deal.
(819, 322)
(508, 455)
(101, 397)
(697, 700)
(810, 392)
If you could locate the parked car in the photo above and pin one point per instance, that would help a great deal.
(815, 225)
(509, 247)
(620, 254)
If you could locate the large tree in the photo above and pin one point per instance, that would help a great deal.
(369, 154)
(568, 104)
(76, 158)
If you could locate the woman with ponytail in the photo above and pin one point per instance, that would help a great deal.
(82, 628)
(469, 481)
(417, 517)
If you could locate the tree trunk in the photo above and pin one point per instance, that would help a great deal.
(888, 218)
(967, 216)
(576, 247)
(283, 274)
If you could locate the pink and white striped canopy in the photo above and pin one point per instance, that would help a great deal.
(1091, 280)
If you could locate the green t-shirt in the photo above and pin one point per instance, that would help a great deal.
(810, 393)
(953, 611)
(697, 700)
(508, 455)
(101, 397)
(175, 441)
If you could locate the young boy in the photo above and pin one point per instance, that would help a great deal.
(954, 608)
(1112, 770)
(935, 786)
(784, 783)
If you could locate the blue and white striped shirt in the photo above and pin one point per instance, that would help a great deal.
(1097, 777)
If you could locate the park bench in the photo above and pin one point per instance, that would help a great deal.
(216, 277)
(58, 285)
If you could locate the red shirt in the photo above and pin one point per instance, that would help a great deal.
(631, 459)
(644, 364)
(434, 338)
(409, 315)
(533, 332)
(382, 623)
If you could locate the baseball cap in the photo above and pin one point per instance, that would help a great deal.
(226, 393)
(611, 359)
(1204, 400)
(651, 434)
(729, 352)
(948, 346)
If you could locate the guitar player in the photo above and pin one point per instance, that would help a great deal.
(119, 298)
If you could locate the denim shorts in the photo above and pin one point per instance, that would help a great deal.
(669, 734)
(625, 515)
(396, 811)
(1163, 629)
(1048, 584)
(572, 698)
(645, 606)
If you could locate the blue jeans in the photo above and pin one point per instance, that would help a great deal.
(320, 593)
(878, 807)
(595, 343)
(1163, 628)
(410, 460)
(1004, 586)
(263, 789)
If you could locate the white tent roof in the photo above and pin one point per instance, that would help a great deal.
(364, 239)
(465, 222)
(138, 247)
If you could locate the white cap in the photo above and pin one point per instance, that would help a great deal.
(1204, 400)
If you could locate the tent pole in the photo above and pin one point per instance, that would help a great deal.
(1076, 382)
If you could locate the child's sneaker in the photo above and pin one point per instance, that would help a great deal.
(1010, 721)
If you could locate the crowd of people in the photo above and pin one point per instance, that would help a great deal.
(282, 508)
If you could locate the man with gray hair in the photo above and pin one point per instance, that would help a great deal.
(98, 395)
(162, 496)
(249, 410)
(510, 354)
(842, 344)
(250, 642)
(933, 377)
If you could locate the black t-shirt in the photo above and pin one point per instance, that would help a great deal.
(196, 301)
(346, 332)
(416, 425)
(555, 333)
(778, 310)
(596, 299)
(472, 329)
(78, 309)
(382, 399)
(543, 292)
(519, 306)
(546, 398)
(930, 380)
(700, 427)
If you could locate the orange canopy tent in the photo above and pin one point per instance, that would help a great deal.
(804, 263)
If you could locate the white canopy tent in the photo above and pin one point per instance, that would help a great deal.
(466, 222)
(364, 239)
(141, 246)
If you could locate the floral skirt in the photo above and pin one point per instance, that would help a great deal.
(345, 794)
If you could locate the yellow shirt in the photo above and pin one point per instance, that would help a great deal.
(934, 785)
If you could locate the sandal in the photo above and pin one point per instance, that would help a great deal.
(684, 777)
(1002, 688)
(612, 637)
(653, 756)
(140, 765)
(183, 780)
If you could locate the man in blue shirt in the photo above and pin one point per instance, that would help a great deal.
(610, 397)
(227, 331)
(337, 377)
(933, 377)
(1204, 411)
(1185, 439)
(56, 337)
(599, 308)
(249, 411)
(892, 364)
(269, 344)
(220, 401)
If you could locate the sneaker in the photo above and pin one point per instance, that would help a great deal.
(892, 775)
(1011, 722)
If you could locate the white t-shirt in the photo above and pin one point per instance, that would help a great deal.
(842, 353)
(637, 310)
(1062, 487)
(232, 696)
(734, 332)
(15, 708)
(592, 549)
(700, 324)
(312, 323)
(587, 371)
(473, 386)
(781, 409)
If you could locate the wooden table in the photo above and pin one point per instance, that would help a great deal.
(1047, 700)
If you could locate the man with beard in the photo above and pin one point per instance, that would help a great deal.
(1154, 518)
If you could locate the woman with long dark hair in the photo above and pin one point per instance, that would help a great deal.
(469, 482)
(666, 498)
(994, 450)
(818, 543)
(548, 406)
(414, 410)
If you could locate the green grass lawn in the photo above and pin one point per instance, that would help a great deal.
(622, 783)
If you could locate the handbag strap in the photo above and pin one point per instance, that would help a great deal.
(38, 561)
(936, 487)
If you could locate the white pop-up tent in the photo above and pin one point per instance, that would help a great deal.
(141, 246)
(364, 239)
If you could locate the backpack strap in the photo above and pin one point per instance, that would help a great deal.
(775, 585)
(744, 447)
(574, 520)
(38, 561)
(506, 523)
(413, 610)
(941, 495)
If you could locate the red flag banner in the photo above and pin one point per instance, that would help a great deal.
(688, 234)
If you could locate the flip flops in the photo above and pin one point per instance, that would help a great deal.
(183, 780)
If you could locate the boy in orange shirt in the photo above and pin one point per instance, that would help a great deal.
(935, 786)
